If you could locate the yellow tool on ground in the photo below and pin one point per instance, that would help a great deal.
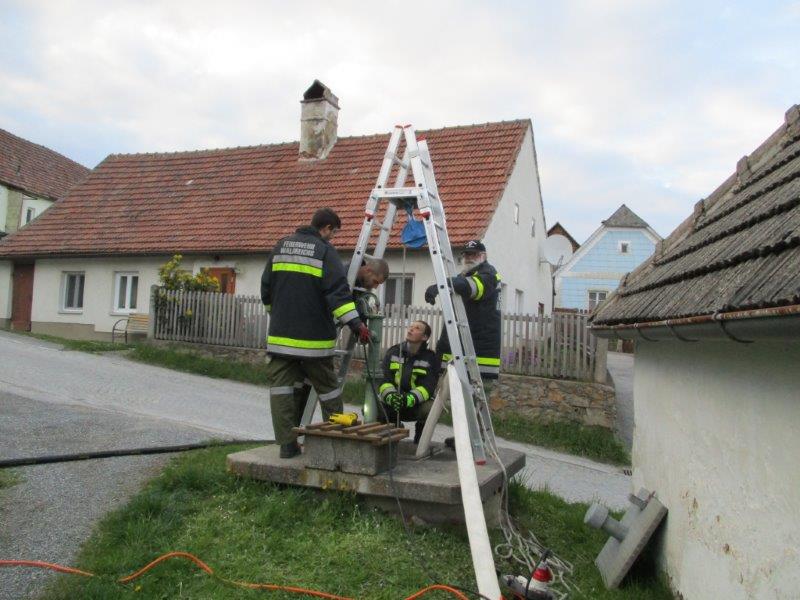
(346, 419)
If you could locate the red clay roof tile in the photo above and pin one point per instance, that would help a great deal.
(241, 200)
(36, 169)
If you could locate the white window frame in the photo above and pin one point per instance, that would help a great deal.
(598, 300)
(516, 213)
(65, 275)
(125, 310)
(398, 277)
(624, 247)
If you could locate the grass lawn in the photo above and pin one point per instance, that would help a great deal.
(8, 477)
(596, 443)
(258, 532)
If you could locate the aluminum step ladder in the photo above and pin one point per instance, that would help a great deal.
(424, 196)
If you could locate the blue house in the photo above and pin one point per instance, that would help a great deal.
(618, 246)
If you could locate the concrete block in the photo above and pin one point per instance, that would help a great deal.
(347, 455)
(428, 488)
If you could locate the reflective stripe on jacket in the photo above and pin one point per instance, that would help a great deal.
(405, 373)
(480, 289)
(304, 286)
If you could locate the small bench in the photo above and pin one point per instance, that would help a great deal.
(136, 323)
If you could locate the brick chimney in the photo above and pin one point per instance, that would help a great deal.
(318, 119)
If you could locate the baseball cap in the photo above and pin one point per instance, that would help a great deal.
(474, 246)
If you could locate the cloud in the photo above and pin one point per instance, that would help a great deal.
(647, 103)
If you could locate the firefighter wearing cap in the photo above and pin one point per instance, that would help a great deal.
(479, 286)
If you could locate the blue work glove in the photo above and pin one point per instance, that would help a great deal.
(431, 293)
(394, 401)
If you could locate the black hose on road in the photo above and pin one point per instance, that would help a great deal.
(57, 458)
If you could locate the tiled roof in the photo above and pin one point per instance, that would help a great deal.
(36, 169)
(624, 217)
(244, 199)
(740, 250)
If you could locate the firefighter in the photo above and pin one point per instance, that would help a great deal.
(410, 372)
(304, 287)
(479, 286)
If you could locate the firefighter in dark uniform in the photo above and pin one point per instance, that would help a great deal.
(479, 286)
(410, 372)
(304, 287)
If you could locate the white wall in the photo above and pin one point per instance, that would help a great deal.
(6, 270)
(38, 204)
(98, 301)
(3, 207)
(511, 248)
(717, 437)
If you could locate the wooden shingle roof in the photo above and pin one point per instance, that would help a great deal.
(36, 169)
(739, 251)
(241, 200)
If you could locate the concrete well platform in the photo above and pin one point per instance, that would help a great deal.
(428, 488)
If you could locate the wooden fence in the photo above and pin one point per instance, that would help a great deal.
(557, 345)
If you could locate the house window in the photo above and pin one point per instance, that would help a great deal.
(516, 214)
(126, 288)
(596, 297)
(72, 291)
(398, 289)
(533, 227)
(519, 301)
(624, 247)
(30, 214)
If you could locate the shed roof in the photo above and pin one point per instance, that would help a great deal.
(625, 217)
(740, 250)
(36, 169)
(241, 200)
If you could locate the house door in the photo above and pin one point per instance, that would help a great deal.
(226, 278)
(22, 297)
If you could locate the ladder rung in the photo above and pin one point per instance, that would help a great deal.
(400, 192)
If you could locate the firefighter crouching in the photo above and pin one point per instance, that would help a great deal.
(410, 372)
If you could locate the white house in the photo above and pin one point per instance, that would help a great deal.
(93, 257)
(32, 178)
(621, 243)
(716, 318)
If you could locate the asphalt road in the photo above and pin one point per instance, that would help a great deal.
(57, 401)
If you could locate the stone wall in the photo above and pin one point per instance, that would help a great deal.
(555, 400)
(252, 356)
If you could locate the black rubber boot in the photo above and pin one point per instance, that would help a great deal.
(290, 450)
(418, 431)
(450, 443)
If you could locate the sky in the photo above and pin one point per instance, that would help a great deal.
(640, 102)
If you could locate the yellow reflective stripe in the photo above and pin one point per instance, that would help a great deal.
(295, 268)
(447, 357)
(419, 371)
(489, 362)
(394, 366)
(269, 307)
(423, 391)
(385, 387)
(293, 343)
(479, 284)
(346, 307)
(498, 276)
